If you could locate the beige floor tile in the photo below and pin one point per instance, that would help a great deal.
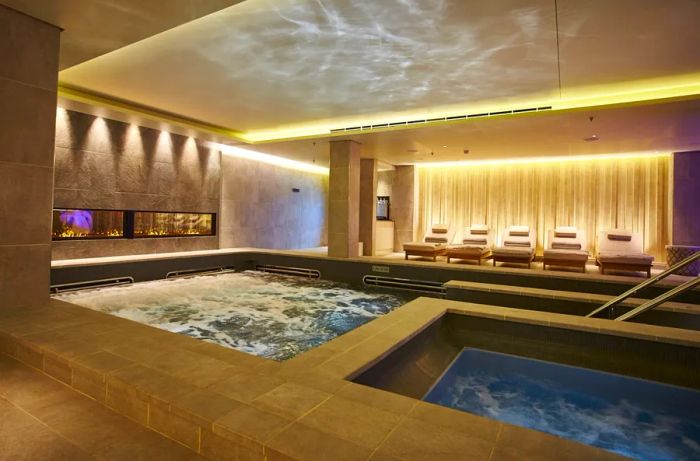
(420, 441)
(303, 443)
(250, 426)
(459, 421)
(353, 421)
(290, 400)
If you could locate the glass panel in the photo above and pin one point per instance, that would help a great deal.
(71, 224)
(154, 224)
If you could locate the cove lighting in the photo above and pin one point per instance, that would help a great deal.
(571, 158)
(270, 159)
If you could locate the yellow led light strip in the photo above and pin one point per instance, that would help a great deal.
(86, 97)
(537, 160)
(270, 159)
(612, 95)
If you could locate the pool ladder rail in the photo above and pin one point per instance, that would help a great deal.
(87, 284)
(287, 270)
(422, 286)
(652, 303)
(195, 272)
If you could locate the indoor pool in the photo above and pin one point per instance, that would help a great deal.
(636, 418)
(269, 315)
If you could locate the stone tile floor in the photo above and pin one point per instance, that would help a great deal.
(43, 419)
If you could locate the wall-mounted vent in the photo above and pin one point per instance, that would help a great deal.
(442, 119)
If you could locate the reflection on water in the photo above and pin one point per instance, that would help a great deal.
(270, 315)
(636, 418)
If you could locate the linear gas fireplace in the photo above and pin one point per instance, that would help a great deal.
(84, 224)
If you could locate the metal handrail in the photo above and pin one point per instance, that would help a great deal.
(645, 284)
(660, 299)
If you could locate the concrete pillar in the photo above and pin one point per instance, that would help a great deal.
(403, 205)
(344, 199)
(368, 204)
(28, 79)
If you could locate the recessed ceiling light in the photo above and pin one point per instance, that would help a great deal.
(593, 137)
(444, 146)
(466, 151)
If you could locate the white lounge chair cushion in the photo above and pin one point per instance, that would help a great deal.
(565, 232)
(519, 231)
(423, 246)
(625, 258)
(514, 251)
(435, 239)
(513, 241)
(607, 245)
(478, 229)
(622, 236)
(469, 248)
(565, 244)
(566, 255)
(439, 228)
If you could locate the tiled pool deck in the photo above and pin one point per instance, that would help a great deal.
(225, 404)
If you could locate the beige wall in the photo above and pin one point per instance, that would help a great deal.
(259, 208)
(28, 78)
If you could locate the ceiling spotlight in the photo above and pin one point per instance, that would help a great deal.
(465, 151)
(593, 137)
(444, 146)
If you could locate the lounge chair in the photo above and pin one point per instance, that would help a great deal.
(517, 246)
(477, 242)
(433, 245)
(566, 246)
(622, 250)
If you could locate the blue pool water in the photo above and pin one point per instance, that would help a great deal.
(636, 418)
(274, 316)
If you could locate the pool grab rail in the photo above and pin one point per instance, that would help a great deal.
(87, 284)
(287, 270)
(423, 286)
(652, 303)
(672, 293)
(193, 272)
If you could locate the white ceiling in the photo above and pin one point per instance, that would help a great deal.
(95, 27)
(266, 64)
(263, 65)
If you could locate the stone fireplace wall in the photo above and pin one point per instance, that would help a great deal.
(105, 164)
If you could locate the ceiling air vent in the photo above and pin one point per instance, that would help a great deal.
(442, 119)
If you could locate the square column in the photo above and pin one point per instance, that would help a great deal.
(368, 205)
(28, 81)
(403, 205)
(344, 199)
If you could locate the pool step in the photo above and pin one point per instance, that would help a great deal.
(422, 286)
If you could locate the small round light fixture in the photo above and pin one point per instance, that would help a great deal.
(591, 138)
(444, 147)
(465, 151)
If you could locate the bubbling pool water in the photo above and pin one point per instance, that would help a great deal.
(269, 315)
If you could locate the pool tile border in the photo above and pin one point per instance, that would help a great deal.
(205, 396)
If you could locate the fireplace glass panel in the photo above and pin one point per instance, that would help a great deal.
(157, 224)
(76, 224)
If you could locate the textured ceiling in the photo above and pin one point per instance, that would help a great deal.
(95, 27)
(267, 64)
(643, 128)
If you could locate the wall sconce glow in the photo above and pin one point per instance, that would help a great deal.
(270, 159)
(525, 160)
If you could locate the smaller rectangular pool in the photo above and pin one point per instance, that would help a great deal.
(270, 315)
(634, 417)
